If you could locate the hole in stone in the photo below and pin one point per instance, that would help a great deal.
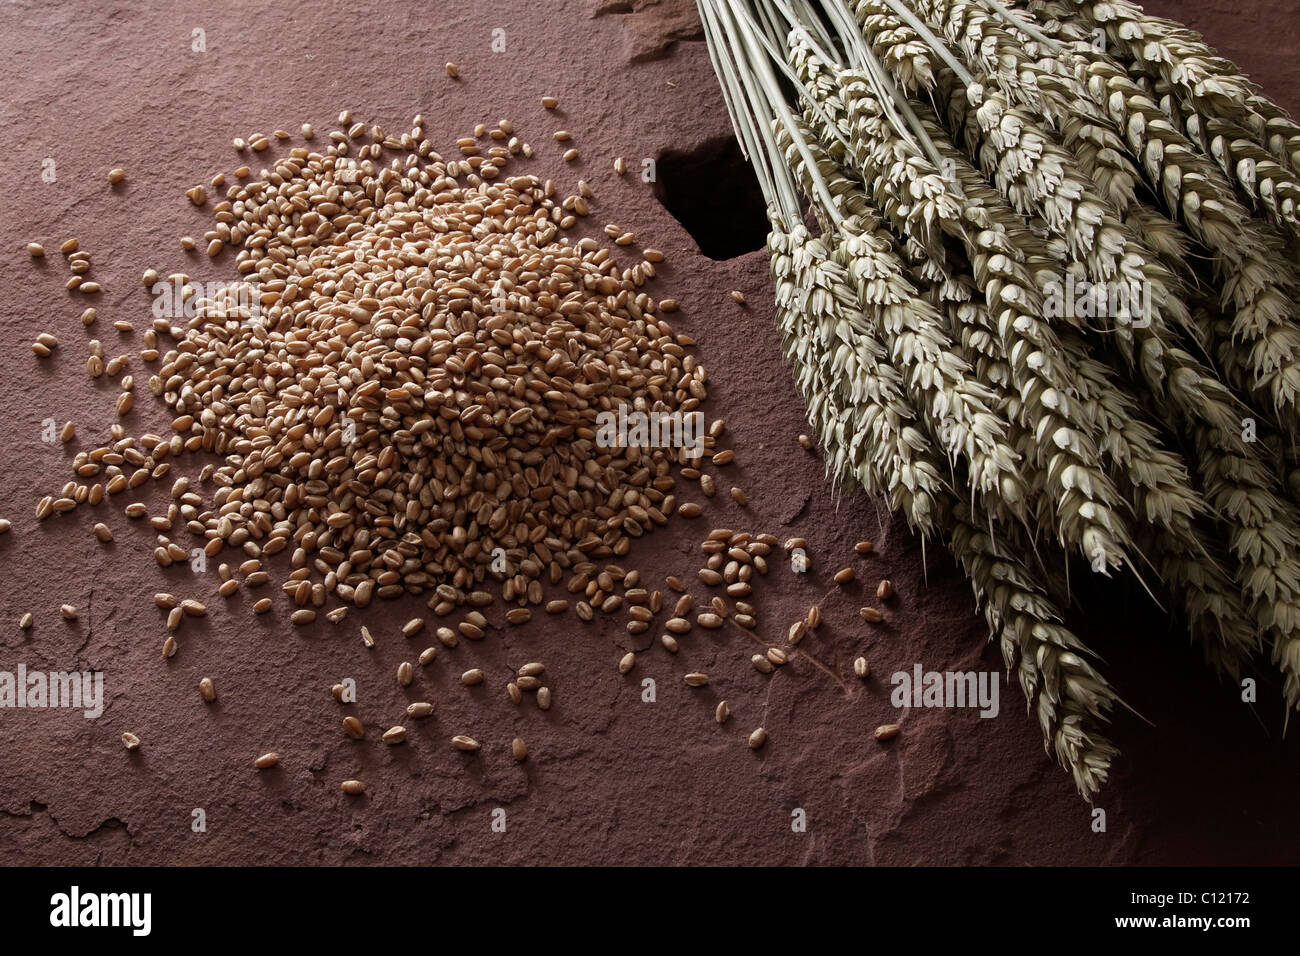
(713, 193)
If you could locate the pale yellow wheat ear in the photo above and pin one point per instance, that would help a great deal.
(1248, 258)
(1251, 137)
(1084, 508)
(896, 44)
(1177, 535)
(1069, 697)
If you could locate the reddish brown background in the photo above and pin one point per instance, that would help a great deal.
(611, 780)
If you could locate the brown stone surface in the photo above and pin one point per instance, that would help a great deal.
(609, 779)
(653, 26)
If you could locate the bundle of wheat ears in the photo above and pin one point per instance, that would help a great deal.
(1048, 309)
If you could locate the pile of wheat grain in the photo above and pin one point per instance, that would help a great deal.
(406, 380)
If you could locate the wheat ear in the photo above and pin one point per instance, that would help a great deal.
(1185, 553)
(1216, 91)
(1067, 693)
(1248, 262)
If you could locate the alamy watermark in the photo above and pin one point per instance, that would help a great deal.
(633, 429)
(78, 690)
(923, 688)
(77, 909)
(1076, 298)
(177, 300)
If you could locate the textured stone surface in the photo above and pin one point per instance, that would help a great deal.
(610, 779)
(653, 26)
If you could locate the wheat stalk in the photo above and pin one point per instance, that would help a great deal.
(1236, 483)
(1051, 663)
(1045, 86)
(1069, 693)
(1184, 551)
(959, 412)
(1247, 259)
(879, 421)
(897, 169)
(1035, 69)
(1156, 482)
